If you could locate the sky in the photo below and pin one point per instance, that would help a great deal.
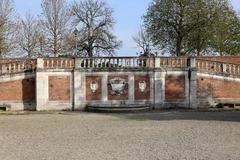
(127, 14)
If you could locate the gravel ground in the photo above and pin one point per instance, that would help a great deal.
(143, 136)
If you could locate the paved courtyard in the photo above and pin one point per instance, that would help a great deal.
(143, 136)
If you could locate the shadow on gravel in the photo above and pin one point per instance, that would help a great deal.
(231, 116)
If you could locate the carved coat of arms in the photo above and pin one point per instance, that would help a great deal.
(117, 86)
(93, 86)
(142, 86)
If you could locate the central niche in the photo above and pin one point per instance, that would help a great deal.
(118, 87)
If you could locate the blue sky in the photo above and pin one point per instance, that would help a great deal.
(127, 14)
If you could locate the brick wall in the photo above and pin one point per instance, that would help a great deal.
(217, 88)
(18, 91)
(59, 88)
(175, 87)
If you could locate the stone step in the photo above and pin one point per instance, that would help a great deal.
(118, 109)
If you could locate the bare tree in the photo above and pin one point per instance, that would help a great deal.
(143, 41)
(29, 35)
(94, 21)
(56, 20)
(7, 27)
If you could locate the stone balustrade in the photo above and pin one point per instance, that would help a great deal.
(207, 66)
(59, 63)
(203, 66)
(115, 62)
(173, 62)
(18, 66)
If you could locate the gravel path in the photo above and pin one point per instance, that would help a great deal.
(149, 136)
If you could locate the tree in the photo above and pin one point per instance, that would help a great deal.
(220, 35)
(226, 32)
(186, 27)
(94, 21)
(143, 41)
(29, 36)
(170, 21)
(198, 39)
(7, 27)
(56, 20)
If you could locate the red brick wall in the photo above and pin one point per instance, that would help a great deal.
(142, 95)
(118, 97)
(90, 95)
(174, 87)
(217, 88)
(19, 90)
(59, 88)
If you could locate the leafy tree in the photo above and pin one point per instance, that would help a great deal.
(94, 21)
(186, 27)
(226, 32)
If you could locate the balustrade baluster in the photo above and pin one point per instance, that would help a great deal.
(117, 62)
(181, 62)
(234, 70)
(19, 67)
(14, 67)
(230, 69)
(238, 70)
(97, 63)
(110, 63)
(84, 63)
(93, 62)
(70, 62)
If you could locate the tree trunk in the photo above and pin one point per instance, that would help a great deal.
(90, 52)
(29, 55)
(179, 46)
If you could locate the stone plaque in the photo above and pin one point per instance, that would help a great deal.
(117, 86)
(94, 86)
(142, 86)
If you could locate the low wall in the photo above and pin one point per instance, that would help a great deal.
(54, 90)
(18, 91)
(75, 84)
(78, 89)
(95, 89)
(213, 89)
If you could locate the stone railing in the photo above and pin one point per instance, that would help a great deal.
(202, 66)
(59, 63)
(207, 66)
(18, 66)
(115, 62)
(173, 62)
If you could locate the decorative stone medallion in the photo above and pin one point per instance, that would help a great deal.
(94, 86)
(117, 86)
(142, 86)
